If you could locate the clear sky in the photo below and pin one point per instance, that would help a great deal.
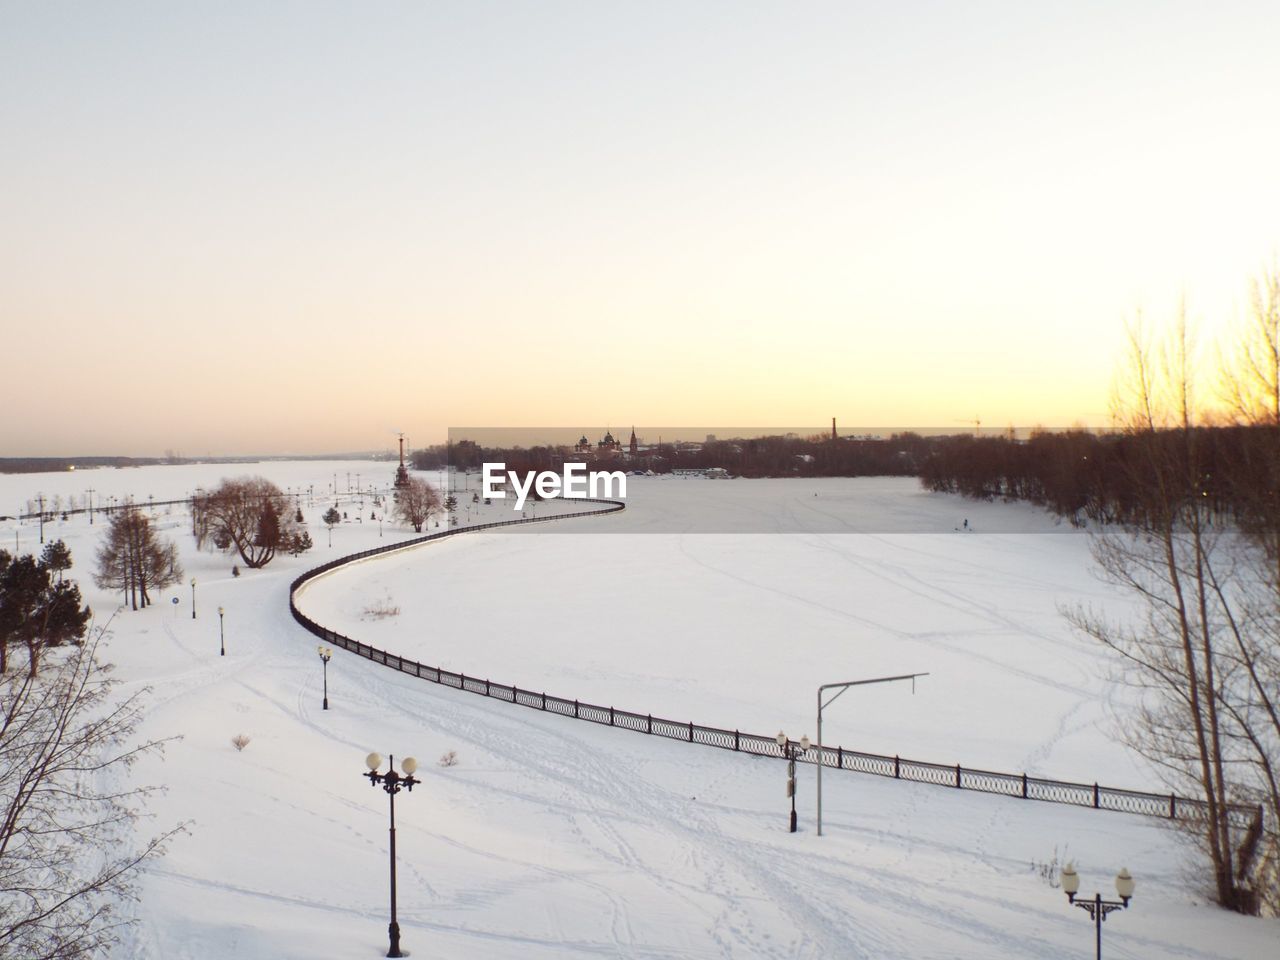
(256, 227)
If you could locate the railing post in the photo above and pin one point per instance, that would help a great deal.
(691, 731)
(648, 727)
(486, 687)
(735, 740)
(958, 776)
(1173, 810)
(544, 699)
(897, 767)
(611, 716)
(1095, 796)
(1024, 786)
(840, 757)
(575, 707)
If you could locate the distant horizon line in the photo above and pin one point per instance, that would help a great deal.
(537, 436)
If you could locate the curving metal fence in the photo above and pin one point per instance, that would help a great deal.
(1018, 785)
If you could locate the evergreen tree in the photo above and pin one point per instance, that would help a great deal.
(36, 611)
(56, 557)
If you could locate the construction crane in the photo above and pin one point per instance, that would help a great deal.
(977, 425)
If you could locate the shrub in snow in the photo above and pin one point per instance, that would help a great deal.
(1050, 871)
(235, 570)
(448, 759)
(381, 609)
(239, 741)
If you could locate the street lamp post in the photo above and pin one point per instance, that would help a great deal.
(842, 687)
(789, 751)
(1097, 907)
(392, 782)
(326, 653)
(222, 636)
(193, 598)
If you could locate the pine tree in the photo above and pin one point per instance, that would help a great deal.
(36, 611)
(56, 557)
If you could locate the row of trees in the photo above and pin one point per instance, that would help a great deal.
(249, 516)
(777, 456)
(1106, 477)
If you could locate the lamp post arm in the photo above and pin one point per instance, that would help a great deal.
(842, 687)
(845, 685)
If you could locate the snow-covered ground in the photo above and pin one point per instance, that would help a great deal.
(554, 838)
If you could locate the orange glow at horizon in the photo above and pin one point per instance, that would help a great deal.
(220, 243)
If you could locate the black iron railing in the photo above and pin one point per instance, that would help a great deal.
(955, 776)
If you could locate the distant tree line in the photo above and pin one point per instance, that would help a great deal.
(1110, 478)
(780, 456)
(55, 464)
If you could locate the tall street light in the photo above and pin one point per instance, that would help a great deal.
(842, 687)
(1097, 907)
(222, 636)
(326, 653)
(789, 751)
(193, 598)
(392, 782)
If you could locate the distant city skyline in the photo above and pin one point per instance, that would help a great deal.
(299, 228)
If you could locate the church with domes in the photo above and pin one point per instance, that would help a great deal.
(607, 447)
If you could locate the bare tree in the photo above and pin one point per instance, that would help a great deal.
(1251, 377)
(67, 853)
(133, 559)
(250, 515)
(1195, 717)
(417, 502)
(1252, 388)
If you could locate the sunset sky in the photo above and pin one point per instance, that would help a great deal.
(295, 227)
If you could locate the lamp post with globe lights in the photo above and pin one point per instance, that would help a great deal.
(326, 654)
(392, 783)
(222, 635)
(193, 598)
(789, 750)
(1097, 907)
